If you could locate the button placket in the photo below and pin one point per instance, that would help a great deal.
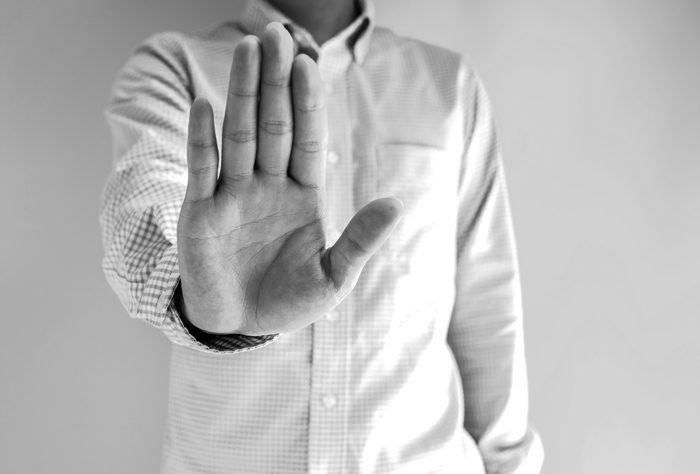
(327, 428)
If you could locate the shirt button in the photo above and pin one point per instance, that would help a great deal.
(332, 316)
(333, 157)
(329, 401)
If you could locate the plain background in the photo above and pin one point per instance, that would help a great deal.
(599, 116)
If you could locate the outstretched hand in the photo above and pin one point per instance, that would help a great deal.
(251, 241)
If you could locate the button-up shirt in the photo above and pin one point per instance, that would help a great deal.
(421, 368)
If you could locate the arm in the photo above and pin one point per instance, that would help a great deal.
(148, 116)
(246, 244)
(486, 332)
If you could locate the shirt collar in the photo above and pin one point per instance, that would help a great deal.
(356, 36)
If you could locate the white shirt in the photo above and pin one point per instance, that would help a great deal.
(421, 369)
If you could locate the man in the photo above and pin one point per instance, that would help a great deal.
(240, 155)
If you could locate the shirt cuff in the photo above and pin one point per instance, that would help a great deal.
(167, 279)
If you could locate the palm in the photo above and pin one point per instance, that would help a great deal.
(251, 243)
(271, 242)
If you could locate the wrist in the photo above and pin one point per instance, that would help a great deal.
(212, 325)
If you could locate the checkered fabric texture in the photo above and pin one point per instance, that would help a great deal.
(422, 368)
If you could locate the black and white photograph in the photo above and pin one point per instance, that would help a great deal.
(349, 237)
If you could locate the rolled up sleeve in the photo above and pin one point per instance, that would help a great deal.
(148, 116)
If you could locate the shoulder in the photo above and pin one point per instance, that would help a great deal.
(180, 61)
(422, 71)
(429, 86)
(179, 49)
(446, 65)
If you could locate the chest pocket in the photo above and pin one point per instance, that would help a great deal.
(423, 177)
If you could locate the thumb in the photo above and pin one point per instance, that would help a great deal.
(363, 236)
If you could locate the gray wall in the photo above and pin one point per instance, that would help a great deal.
(599, 115)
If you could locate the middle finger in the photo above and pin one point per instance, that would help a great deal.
(275, 123)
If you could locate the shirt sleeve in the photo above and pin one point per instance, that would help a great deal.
(486, 329)
(148, 115)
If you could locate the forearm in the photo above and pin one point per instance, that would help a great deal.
(143, 196)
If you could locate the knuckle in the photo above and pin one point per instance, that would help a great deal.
(241, 93)
(195, 201)
(200, 145)
(276, 127)
(240, 136)
(355, 246)
(229, 180)
(310, 106)
(203, 170)
(274, 172)
(310, 146)
(275, 78)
